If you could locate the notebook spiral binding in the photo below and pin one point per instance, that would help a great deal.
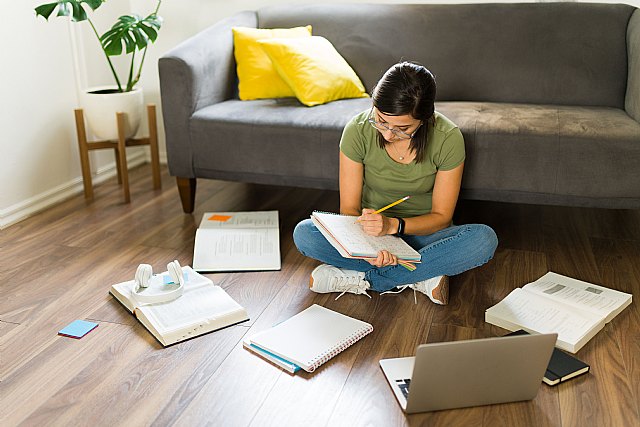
(348, 342)
(329, 213)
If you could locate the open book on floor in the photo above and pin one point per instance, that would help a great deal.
(308, 339)
(347, 236)
(574, 309)
(237, 241)
(203, 307)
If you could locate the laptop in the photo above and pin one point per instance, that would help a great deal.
(466, 373)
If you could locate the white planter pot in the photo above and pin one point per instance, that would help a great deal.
(100, 111)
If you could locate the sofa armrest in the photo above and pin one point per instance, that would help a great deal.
(632, 98)
(196, 73)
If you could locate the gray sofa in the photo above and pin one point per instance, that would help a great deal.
(547, 96)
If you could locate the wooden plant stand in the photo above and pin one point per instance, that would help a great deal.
(119, 147)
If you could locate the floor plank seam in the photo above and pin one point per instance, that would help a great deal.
(266, 397)
(113, 322)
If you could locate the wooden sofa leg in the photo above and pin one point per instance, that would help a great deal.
(187, 190)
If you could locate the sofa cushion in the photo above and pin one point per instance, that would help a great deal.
(585, 152)
(559, 53)
(512, 149)
(313, 69)
(278, 140)
(258, 79)
(632, 100)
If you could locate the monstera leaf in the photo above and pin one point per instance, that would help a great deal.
(131, 32)
(71, 8)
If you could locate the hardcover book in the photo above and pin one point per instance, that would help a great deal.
(203, 307)
(574, 309)
(562, 366)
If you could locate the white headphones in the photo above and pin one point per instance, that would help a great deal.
(144, 277)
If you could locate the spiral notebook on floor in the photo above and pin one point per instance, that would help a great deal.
(309, 339)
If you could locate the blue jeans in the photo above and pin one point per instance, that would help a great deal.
(450, 251)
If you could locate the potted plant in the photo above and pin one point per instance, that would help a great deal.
(129, 35)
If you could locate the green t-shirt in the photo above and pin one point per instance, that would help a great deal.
(386, 181)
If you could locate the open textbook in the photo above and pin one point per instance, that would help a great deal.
(203, 307)
(576, 310)
(237, 241)
(347, 236)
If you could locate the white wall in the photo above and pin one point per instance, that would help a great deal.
(41, 74)
(38, 96)
(44, 65)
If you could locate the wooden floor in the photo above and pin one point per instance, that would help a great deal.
(58, 266)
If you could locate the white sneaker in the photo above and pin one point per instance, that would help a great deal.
(436, 288)
(327, 278)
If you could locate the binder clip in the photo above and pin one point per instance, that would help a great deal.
(145, 278)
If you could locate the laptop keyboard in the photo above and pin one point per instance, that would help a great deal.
(404, 386)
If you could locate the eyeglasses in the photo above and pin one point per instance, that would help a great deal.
(396, 132)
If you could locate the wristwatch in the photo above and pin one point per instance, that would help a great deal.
(400, 231)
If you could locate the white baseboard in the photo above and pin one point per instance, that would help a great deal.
(42, 201)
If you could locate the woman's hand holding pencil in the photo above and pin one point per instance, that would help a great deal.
(375, 224)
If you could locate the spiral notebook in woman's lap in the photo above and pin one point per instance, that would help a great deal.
(347, 236)
(311, 337)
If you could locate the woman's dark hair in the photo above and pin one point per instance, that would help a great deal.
(407, 88)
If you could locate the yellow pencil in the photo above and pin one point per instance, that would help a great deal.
(391, 204)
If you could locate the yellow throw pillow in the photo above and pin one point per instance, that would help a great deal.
(314, 69)
(257, 77)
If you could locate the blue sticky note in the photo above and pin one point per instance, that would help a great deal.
(77, 329)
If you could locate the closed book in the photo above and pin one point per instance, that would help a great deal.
(310, 338)
(275, 359)
(562, 366)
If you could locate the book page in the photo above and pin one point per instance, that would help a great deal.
(241, 220)
(194, 306)
(542, 315)
(237, 249)
(586, 296)
(341, 249)
(158, 284)
(349, 234)
(237, 241)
